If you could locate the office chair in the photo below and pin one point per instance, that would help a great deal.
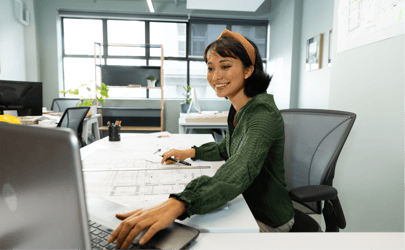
(313, 141)
(61, 104)
(73, 118)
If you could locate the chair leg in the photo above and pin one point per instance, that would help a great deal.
(330, 217)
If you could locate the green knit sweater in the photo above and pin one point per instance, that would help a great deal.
(254, 167)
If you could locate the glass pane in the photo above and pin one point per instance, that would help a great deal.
(127, 62)
(80, 35)
(175, 78)
(126, 32)
(202, 35)
(158, 51)
(176, 45)
(79, 71)
(257, 34)
(198, 80)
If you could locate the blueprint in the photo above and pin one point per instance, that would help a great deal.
(141, 188)
(361, 22)
(130, 172)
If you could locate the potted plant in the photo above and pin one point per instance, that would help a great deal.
(184, 106)
(151, 81)
(101, 93)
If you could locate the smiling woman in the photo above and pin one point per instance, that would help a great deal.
(253, 150)
(227, 47)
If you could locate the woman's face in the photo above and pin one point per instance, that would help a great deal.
(226, 75)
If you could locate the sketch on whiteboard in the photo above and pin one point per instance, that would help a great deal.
(361, 22)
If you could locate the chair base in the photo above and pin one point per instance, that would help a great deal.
(304, 223)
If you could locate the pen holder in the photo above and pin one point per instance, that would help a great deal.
(114, 134)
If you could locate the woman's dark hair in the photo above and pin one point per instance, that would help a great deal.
(259, 81)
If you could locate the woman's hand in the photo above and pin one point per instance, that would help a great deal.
(178, 155)
(155, 218)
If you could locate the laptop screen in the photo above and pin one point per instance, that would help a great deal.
(43, 203)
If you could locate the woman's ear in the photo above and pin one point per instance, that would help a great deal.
(249, 71)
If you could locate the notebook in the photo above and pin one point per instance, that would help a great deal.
(43, 202)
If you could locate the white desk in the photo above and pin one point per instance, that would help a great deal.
(235, 218)
(185, 126)
(238, 240)
(300, 241)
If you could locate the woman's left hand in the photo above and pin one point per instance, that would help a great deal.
(155, 218)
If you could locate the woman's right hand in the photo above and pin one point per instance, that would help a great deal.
(178, 155)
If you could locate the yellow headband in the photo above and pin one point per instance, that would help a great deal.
(245, 43)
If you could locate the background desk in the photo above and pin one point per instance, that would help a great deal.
(90, 123)
(184, 126)
(235, 218)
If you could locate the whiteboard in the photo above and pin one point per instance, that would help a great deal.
(361, 22)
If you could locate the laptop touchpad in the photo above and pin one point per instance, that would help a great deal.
(103, 210)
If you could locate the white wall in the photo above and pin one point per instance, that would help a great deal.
(30, 45)
(12, 51)
(369, 81)
(281, 46)
(317, 18)
(18, 52)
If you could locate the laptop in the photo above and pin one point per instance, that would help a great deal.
(43, 201)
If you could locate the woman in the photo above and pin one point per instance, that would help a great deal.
(253, 150)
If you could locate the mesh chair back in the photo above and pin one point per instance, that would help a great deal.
(313, 141)
(73, 118)
(61, 104)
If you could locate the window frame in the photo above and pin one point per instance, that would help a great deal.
(188, 58)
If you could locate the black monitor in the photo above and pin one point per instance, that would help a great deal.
(25, 97)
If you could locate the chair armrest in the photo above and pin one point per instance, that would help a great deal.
(313, 193)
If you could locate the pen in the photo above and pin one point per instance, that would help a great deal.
(160, 136)
(182, 162)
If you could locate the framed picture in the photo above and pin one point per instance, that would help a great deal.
(314, 53)
(330, 49)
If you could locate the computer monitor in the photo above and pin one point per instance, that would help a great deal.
(194, 101)
(24, 97)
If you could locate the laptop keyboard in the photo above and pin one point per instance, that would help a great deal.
(99, 235)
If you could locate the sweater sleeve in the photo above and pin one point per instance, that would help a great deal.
(211, 151)
(205, 194)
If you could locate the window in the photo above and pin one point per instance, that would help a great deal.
(173, 47)
(255, 34)
(183, 52)
(80, 35)
(202, 35)
(125, 32)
